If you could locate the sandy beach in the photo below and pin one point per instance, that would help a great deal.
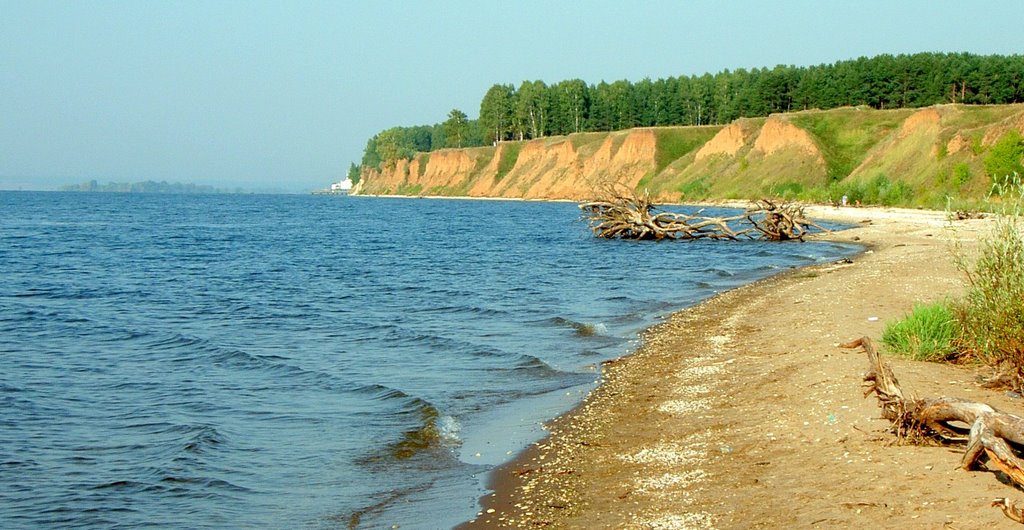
(743, 412)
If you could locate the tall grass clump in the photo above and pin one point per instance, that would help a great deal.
(926, 334)
(990, 316)
(509, 157)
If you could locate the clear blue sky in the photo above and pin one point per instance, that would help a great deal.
(283, 95)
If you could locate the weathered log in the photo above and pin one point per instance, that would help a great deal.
(994, 435)
(632, 216)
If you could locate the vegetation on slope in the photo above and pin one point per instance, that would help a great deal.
(845, 135)
(536, 109)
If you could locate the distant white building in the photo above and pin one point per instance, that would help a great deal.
(341, 187)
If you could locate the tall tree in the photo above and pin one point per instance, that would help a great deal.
(496, 112)
(532, 106)
(393, 145)
(353, 172)
(621, 98)
(456, 127)
(600, 116)
(570, 109)
(371, 158)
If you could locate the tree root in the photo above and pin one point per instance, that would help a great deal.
(992, 437)
(632, 216)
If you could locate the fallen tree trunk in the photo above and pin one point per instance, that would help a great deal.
(993, 436)
(632, 216)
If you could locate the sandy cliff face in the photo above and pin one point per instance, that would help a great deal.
(727, 142)
(747, 158)
(547, 168)
(777, 135)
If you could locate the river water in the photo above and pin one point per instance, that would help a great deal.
(271, 361)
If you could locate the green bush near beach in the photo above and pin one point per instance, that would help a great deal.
(990, 316)
(986, 324)
(926, 334)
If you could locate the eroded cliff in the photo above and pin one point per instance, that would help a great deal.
(935, 150)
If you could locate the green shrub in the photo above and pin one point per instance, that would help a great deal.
(409, 189)
(990, 315)
(879, 190)
(926, 334)
(695, 189)
(961, 174)
(976, 146)
(787, 190)
(1004, 159)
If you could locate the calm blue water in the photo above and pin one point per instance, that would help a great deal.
(299, 361)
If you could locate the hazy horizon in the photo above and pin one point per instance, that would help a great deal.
(283, 96)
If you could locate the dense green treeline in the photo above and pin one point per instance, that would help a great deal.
(536, 109)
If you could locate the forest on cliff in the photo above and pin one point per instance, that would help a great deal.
(536, 109)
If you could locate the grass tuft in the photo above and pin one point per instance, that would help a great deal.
(926, 334)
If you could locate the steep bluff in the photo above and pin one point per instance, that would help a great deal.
(936, 150)
(570, 167)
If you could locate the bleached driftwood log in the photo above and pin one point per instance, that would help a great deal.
(632, 216)
(994, 436)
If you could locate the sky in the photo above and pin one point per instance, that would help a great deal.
(282, 96)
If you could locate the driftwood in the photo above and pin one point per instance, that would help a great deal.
(964, 215)
(632, 216)
(990, 435)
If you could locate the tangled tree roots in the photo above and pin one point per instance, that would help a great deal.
(635, 217)
(994, 436)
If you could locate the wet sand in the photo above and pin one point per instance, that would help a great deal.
(743, 412)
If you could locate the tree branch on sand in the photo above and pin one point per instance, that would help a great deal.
(617, 215)
(990, 435)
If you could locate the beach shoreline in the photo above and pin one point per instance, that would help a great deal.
(742, 412)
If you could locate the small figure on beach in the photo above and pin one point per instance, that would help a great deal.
(846, 200)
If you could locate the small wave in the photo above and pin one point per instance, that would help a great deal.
(381, 392)
(721, 273)
(203, 482)
(432, 430)
(582, 329)
(435, 431)
(169, 341)
(464, 310)
(449, 429)
(120, 484)
(534, 367)
(203, 438)
(193, 438)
